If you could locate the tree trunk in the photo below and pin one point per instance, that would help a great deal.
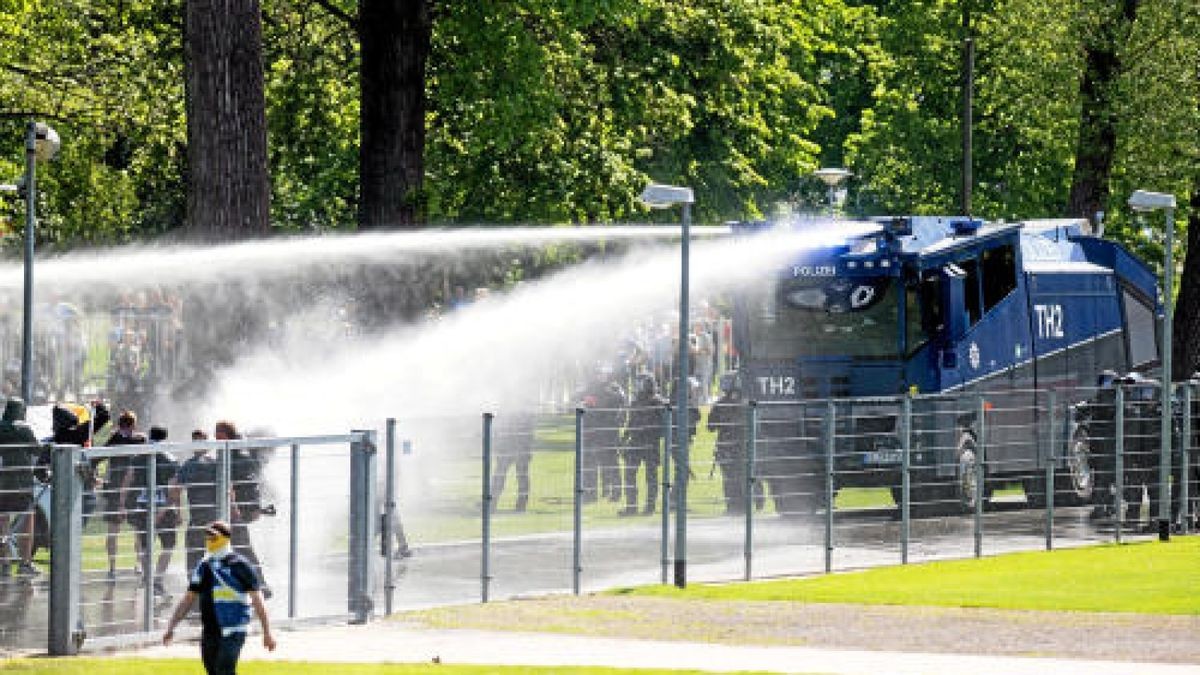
(228, 185)
(1097, 122)
(394, 37)
(1185, 345)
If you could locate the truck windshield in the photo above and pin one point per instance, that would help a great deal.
(823, 316)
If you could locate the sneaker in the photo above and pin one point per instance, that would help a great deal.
(112, 575)
(628, 511)
(403, 553)
(159, 590)
(267, 592)
(28, 569)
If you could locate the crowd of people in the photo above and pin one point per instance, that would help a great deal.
(623, 436)
(117, 489)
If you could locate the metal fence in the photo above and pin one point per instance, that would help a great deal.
(516, 503)
(778, 489)
(116, 564)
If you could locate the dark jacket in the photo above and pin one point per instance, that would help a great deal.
(605, 404)
(18, 448)
(645, 426)
(728, 419)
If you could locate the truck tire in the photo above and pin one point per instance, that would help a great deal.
(1077, 483)
(1035, 491)
(966, 487)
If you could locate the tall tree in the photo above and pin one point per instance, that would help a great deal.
(228, 186)
(394, 42)
(1185, 352)
(1106, 27)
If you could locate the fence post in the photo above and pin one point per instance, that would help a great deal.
(906, 478)
(1164, 456)
(389, 516)
(665, 537)
(751, 442)
(485, 561)
(1119, 478)
(1185, 467)
(294, 530)
(577, 506)
(148, 549)
(980, 476)
(363, 468)
(830, 440)
(1051, 459)
(223, 482)
(66, 633)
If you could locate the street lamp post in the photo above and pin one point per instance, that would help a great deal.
(41, 144)
(832, 178)
(663, 196)
(1144, 201)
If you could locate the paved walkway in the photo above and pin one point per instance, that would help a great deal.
(394, 642)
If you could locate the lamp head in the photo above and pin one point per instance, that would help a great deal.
(1143, 200)
(46, 142)
(832, 176)
(662, 196)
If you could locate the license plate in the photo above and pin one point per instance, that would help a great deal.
(883, 457)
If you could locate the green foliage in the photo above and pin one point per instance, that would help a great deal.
(312, 116)
(560, 111)
(107, 76)
(553, 112)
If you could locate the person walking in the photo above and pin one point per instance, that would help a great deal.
(605, 402)
(117, 484)
(245, 506)
(166, 502)
(197, 477)
(18, 456)
(513, 448)
(640, 445)
(727, 420)
(227, 588)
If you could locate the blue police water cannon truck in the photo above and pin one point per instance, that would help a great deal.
(953, 309)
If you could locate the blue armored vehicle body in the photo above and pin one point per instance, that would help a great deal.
(937, 306)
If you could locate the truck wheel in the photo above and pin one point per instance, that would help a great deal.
(967, 487)
(1035, 491)
(1079, 482)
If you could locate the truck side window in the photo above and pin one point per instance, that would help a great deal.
(1141, 333)
(924, 311)
(971, 288)
(999, 275)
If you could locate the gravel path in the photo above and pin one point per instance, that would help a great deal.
(1071, 635)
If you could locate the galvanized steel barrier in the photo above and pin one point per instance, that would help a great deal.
(816, 486)
(127, 601)
(529, 502)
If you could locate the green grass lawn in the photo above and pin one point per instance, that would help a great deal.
(1152, 578)
(114, 666)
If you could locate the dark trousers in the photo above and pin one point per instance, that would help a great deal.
(500, 476)
(220, 653)
(601, 469)
(634, 458)
(733, 484)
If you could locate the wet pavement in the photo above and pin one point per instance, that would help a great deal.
(394, 642)
(539, 564)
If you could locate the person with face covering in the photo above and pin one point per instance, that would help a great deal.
(228, 588)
